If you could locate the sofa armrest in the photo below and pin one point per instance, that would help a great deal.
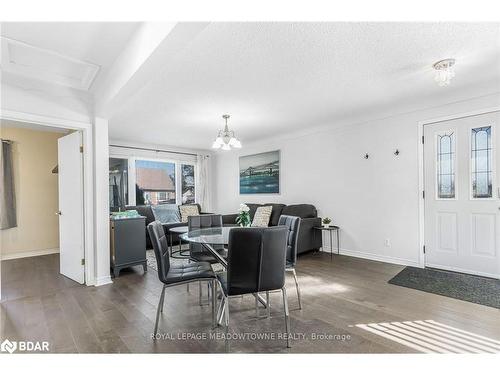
(229, 219)
(309, 238)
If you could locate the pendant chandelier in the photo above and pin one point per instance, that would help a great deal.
(225, 138)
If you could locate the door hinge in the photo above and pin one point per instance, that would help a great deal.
(424, 249)
(423, 139)
(423, 194)
(81, 149)
(83, 262)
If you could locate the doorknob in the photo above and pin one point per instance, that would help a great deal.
(59, 213)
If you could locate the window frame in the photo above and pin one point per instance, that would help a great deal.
(437, 136)
(178, 179)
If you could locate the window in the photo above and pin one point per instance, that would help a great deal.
(187, 182)
(446, 165)
(481, 162)
(155, 182)
(118, 184)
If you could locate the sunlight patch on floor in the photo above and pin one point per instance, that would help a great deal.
(429, 336)
(311, 285)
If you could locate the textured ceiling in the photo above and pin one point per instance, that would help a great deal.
(280, 78)
(275, 78)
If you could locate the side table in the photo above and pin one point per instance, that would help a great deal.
(177, 230)
(331, 229)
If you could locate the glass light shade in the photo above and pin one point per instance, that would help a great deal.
(232, 141)
(215, 144)
(236, 143)
(219, 141)
(226, 147)
(443, 77)
(445, 71)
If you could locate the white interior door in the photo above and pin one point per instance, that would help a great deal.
(462, 225)
(71, 231)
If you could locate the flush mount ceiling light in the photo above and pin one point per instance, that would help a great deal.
(225, 138)
(444, 71)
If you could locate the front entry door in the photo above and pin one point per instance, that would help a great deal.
(71, 231)
(462, 205)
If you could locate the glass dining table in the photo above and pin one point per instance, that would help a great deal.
(210, 237)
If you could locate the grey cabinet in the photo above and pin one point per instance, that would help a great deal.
(128, 243)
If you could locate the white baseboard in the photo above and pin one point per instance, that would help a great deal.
(103, 280)
(32, 253)
(377, 257)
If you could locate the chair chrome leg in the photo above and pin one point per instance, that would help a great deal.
(200, 296)
(287, 317)
(214, 302)
(257, 305)
(158, 310)
(221, 313)
(227, 324)
(162, 298)
(297, 286)
(268, 302)
(208, 292)
(187, 285)
(199, 288)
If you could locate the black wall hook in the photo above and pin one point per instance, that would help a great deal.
(396, 152)
(366, 156)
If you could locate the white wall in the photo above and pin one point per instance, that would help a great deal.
(47, 100)
(371, 200)
(34, 155)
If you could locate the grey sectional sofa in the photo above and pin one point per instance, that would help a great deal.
(309, 239)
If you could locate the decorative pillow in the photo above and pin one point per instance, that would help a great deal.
(262, 216)
(188, 210)
(166, 213)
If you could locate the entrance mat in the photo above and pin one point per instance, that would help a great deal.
(475, 289)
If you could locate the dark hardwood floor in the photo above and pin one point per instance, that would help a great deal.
(41, 305)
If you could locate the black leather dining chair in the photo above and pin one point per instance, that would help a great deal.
(256, 263)
(172, 275)
(293, 224)
(197, 252)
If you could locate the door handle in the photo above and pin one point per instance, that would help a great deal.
(59, 213)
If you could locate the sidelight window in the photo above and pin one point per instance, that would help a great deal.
(446, 165)
(481, 162)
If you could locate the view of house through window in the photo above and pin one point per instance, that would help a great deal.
(155, 182)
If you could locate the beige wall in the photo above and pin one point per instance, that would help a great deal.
(34, 157)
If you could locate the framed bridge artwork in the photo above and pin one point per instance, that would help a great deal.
(260, 173)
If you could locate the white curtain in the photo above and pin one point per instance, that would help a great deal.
(203, 182)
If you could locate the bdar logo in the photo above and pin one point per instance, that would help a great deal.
(8, 346)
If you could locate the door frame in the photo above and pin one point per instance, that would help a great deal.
(88, 181)
(421, 176)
